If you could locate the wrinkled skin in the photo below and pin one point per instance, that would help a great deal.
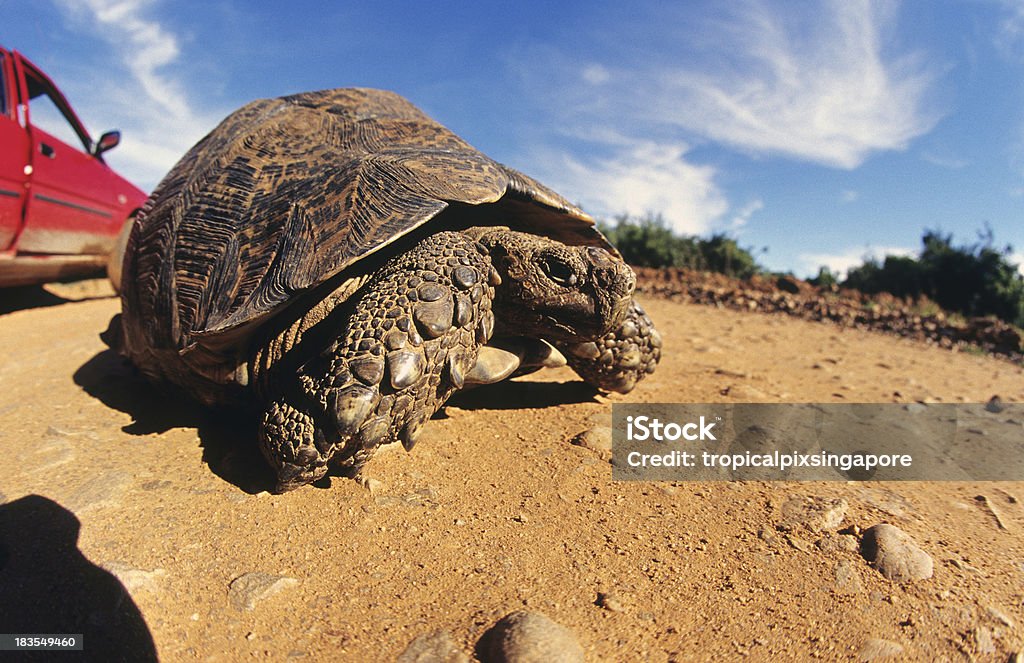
(412, 333)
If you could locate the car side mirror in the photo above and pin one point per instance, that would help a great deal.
(107, 141)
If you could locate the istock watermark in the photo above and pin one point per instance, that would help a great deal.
(814, 442)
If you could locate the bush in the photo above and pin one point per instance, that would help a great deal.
(826, 278)
(649, 242)
(975, 280)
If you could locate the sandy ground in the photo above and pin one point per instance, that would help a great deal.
(107, 484)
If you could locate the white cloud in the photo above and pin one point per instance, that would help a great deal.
(848, 196)
(765, 78)
(148, 102)
(1010, 30)
(825, 92)
(742, 215)
(1017, 258)
(840, 263)
(596, 74)
(643, 177)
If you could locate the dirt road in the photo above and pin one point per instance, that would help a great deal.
(494, 510)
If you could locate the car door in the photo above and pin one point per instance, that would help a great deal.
(14, 148)
(72, 207)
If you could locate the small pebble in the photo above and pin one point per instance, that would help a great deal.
(610, 601)
(436, 647)
(814, 513)
(1000, 616)
(837, 543)
(597, 439)
(875, 648)
(372, 486)
(133, 579)
(983, 640)
(529, 637)
(768, 535)
(249, 588)
(99, 490)
(895, 554)
(846, 577)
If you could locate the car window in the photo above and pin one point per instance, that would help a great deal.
(46, 114)
(3, 86)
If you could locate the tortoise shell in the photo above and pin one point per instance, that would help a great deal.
(287, 194)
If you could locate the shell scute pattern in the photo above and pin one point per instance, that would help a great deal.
(281, 262)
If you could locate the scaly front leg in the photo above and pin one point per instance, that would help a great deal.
(409, 337)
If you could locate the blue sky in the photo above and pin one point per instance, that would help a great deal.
(820, 131)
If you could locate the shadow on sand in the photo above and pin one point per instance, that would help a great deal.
(49, 587)
(227, 435)
(26, 297)
(524, 395)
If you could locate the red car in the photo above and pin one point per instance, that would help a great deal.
(61, 206)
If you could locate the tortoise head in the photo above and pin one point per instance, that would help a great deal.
(554, 291)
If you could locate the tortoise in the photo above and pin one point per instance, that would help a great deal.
(343, 263)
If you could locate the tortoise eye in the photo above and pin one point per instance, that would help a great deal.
(559, 271)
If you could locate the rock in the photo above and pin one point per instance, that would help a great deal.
(995, 405)
(875, 648)
(892, 503)
(133, 579)
(983, 640)
(895, 554)
(1000, 616)
(529, 637)
(768, 535)
(98, 491)
(847, 578)
(436, 647)
(597, 439)
(610, 601)
(814, 513)
(249, 588)
(372, 486)
(837, 543)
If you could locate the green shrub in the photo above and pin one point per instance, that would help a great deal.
(975, 280)
(648, 241)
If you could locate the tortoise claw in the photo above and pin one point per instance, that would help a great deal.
(510, 356)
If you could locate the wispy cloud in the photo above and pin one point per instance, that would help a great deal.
(742, 215)
(639, 178)
(826, 91)
(152, 105)
(1010, 31)
(840, 263)
(764, 79)
(945, 161)
(848, 196)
